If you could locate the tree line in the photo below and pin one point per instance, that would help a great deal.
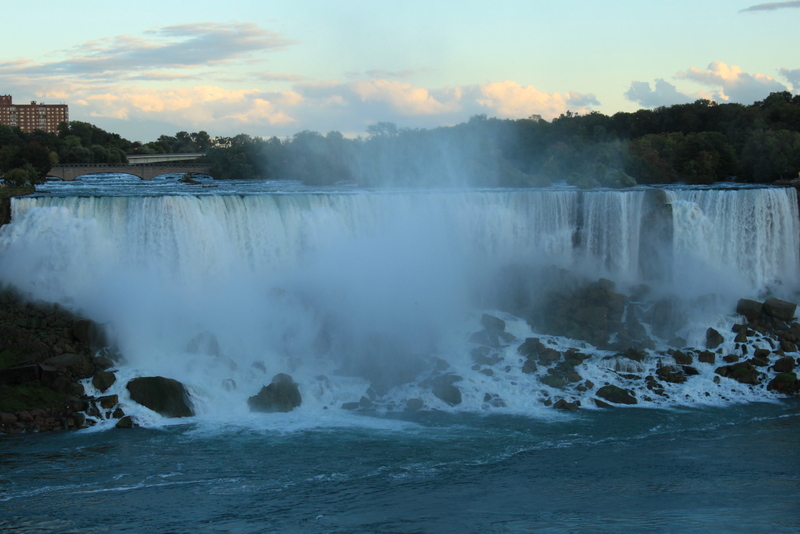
(698, 143)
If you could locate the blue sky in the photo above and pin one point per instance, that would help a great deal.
(275, 67)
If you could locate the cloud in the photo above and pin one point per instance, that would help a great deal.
(731, 84)
(664, 94)
(510, 99)
(379, 73)
(184, 46)
(793, 76)
(770, 6)
(277, 77)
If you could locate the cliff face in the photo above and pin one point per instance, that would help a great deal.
(5, 210)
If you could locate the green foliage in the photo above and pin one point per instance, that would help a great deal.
(28, 396)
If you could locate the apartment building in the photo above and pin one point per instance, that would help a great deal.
(33, 116)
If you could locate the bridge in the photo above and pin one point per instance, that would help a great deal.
(140, 159)
(149, 171)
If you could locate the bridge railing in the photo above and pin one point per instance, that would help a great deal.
(136, 165)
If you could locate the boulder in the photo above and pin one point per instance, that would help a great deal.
(444, 389)
(751, 309)
(204, 343)
(531, 345)
(713, 339)
(165, 396)
(282, 395)
(76, 365)
(125, 422)
(562, 404)
(784, 365)
(786, 383)
(780, 309)
(413, 405)
(103, 380)
(742, 372)
(707, 357)
(493, 324)
(616, 395)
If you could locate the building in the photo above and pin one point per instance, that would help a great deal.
(33, 116)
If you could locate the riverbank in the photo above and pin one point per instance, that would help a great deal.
(45, 351)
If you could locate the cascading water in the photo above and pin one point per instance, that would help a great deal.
(368, 287)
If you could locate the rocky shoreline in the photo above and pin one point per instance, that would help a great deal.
(47, 353)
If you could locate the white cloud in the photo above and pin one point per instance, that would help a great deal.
(664, 94)
(731, 84)
(793, 76)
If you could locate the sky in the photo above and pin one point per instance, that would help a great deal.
(277, 67)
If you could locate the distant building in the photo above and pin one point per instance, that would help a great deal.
(33, 116)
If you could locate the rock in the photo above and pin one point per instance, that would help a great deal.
(634, 354)
(90, 333)
(554, 381)
(485, 356)
(19, 375)
(707, 357)
(447, 392)
(531, 345)
(108, 401)
(76, 365)
(671, 374)
(486, 339)
(616, 395)
(713, 339)
(562, 404)
(529, 367)
(125, 422)
(784, 365)
(493, 324)
(282, 395)
(742, 372)
(780, 309)
(350, 406)
(785, 383)
(682, 358)
(103, 380)
(548, 356)
(165, 396)
(751, 309)
(413, 405)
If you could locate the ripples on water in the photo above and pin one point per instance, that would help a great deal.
(731, 469)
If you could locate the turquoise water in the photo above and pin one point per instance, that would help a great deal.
(732, 469)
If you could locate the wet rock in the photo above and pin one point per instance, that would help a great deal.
(108, 401)
(562, 404)
(350, 406)
(530, 346)
(784, 365)
(780, 309)
(165, 396)
(785, 383)
(682, 358)
(413, 405)
(485, 338)
(204, 343)
(707, 357)
(671, 374)
(103, 380)
(75, 365)
(493, 324)
(713, 339)
(529, 367)
(742, 372)
(444, 389)
(634, 354)
(485, 356)
(751, 309)
(125, 422)
(282, 395)
(616, 395)
(554, 381)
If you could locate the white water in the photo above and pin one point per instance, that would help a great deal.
(349, 285)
